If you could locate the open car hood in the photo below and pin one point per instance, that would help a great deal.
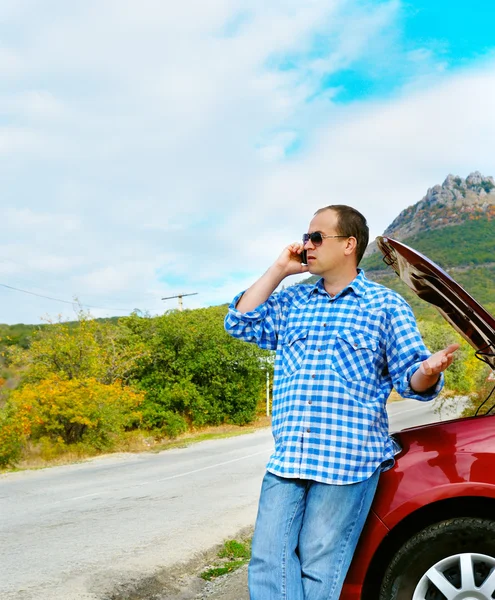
(432, 284)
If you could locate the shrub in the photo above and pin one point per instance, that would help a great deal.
(161, 421)
(73, 411)
(14, 430)
(196, 369)
(463, 374)
(85, 349)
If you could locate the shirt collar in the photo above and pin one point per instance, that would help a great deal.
(357, 285)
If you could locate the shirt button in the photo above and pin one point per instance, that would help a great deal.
(308, 430)
(310, 401)
(319, 349)
(313, 376)
(324, 324)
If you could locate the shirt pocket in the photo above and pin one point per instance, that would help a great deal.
(293, 349)
(353, 354)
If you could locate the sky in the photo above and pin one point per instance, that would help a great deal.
(150, 149)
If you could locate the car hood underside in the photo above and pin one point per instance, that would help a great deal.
(435, 286)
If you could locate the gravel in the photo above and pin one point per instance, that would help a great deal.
(227, 587)
(184, 581)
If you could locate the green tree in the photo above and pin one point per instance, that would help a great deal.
(196, 369)
(103, 350)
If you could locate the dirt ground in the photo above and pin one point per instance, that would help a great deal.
(232, 586)
(184, 582)
(228, 587)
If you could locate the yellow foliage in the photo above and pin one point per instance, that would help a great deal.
(89, 349)
(73, 409)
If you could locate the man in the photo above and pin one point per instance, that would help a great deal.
(341, 345)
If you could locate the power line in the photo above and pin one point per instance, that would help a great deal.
(64, 301)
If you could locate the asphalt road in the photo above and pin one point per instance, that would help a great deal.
(80, 532)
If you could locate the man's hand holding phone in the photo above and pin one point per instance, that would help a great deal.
(292, 259)
(288, 263)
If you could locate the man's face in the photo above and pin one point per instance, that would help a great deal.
(329, 257)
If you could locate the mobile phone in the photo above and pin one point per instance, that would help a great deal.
(304, 257)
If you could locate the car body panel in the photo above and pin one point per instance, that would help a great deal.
(438, 461)
(452, 459)
(372, 535)
(442, 462)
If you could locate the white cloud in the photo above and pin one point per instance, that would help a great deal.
(148, 147)
(32, 106)
(16, 140)
(28, 219)
(10, 62)
(382, 157)
(114, 278)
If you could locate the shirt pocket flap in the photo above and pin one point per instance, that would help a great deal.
(293, 335)
(358, 340)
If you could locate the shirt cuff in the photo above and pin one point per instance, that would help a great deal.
(429, 394)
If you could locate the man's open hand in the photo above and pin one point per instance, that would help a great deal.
(439, 361)
(426, 377)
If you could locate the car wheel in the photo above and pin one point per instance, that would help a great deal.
(450, 560)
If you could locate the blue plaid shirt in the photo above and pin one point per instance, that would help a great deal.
(337, 359)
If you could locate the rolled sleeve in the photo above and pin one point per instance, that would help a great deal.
(425, 396)
(257, 326)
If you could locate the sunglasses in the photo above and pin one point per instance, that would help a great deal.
(316, 238)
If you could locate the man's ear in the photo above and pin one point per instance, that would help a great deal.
(350, 246)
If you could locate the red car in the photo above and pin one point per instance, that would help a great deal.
(430, 534)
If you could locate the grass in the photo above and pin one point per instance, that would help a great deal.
(233, 554)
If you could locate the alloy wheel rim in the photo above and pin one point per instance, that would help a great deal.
(467, 576)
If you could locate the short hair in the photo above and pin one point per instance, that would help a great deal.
(351, 223)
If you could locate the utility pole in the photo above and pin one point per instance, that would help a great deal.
(267, 393)
(180, 296)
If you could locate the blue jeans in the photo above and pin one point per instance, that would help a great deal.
(305, 535)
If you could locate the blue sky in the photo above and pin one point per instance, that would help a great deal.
(150, 149)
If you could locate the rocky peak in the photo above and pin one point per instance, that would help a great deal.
(455, 201)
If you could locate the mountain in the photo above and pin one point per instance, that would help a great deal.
(453, 225)
(454, 202)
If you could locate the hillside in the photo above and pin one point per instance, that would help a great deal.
(456, 201)
(453, 225)
(21, 334)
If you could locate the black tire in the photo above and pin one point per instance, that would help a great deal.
(444, 541)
